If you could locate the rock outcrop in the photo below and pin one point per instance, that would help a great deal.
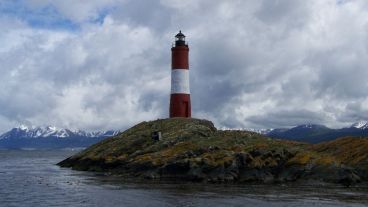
(193, 149)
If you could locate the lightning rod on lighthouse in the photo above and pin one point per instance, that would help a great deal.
(180, 91)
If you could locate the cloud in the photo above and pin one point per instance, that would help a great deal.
(71, 80)
(78, 11)
(259, 64)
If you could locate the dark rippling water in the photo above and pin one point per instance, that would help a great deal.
(31, 178)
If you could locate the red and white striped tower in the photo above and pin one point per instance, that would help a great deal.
(180, 92)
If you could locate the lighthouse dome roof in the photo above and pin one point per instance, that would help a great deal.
(180, 34)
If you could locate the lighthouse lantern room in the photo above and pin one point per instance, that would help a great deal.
(180, 92)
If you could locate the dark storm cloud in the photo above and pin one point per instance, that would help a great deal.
(290, 11)
(287, 118)
(216, 69)
(341, 73)
(144, 13)
(253, 63)
(352, 112)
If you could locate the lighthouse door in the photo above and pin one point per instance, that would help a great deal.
(186, 109)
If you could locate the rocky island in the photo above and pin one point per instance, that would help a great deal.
(194, 150)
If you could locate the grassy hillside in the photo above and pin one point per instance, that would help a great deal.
(350, 151)
(193, 149)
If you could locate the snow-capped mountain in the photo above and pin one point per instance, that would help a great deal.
(360, 125)
(259, 131)
(309, 126)
(302, 127)
(314, 133)
(51, 131)
(50, 138)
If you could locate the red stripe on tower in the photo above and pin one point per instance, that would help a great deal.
(180, 91)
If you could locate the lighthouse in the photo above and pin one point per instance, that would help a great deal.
(180, 91)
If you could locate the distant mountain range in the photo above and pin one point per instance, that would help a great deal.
(313, 133)
(50, 137)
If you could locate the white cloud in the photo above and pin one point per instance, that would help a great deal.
(94, 79)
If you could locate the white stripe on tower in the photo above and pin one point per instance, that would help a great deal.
(180, 81)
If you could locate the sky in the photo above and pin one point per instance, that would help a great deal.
(106, 64)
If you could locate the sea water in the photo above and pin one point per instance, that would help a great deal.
(31, 178)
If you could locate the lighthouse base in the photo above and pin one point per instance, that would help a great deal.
(180, 105)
